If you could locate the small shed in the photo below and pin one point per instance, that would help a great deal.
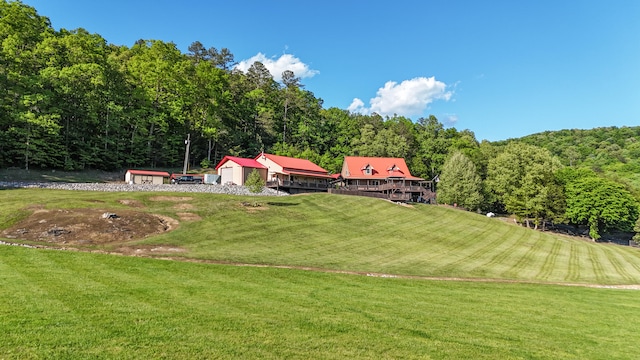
(145, 177)
(236, 170)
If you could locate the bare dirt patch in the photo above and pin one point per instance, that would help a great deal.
(183, 206)
(253, 206)
(149, 250)
(188, 216)
(130, 202)
(171, 198)
(88, 226)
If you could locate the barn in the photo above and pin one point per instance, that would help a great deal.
(236, 170)
(145, 177)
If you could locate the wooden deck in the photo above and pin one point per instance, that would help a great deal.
(388, 191)
(385, 187)
(285, 184)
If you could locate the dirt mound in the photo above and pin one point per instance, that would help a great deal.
(88, 226)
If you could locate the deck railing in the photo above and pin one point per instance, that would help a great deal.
(386, 187)
(297, 185)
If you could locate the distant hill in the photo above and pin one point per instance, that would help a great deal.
(613, 152)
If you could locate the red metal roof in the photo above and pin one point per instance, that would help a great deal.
(149, 172)
(244, 162)
(293, 164)
(381, 168)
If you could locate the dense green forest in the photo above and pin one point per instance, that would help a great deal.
(73, 101)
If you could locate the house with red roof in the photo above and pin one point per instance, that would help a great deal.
(382, 177)
(294, 175)
(145, 177)
(235, 170)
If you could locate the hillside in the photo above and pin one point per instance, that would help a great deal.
(611, 151)
(339, 233)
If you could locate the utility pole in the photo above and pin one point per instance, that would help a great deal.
(186, 154)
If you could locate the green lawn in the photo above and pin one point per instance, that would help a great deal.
(74, 305)
(359, 234)
(79, 305)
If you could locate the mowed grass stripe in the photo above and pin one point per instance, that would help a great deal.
(631, 259)
(45, 285)
(552, 250)
(597, 265)
(575, 265)
(502, 258)
(465, 259)
(459, 243)
(617, 263)
(490, 254)
(528, 259)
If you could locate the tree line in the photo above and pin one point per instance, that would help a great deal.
(73, 101)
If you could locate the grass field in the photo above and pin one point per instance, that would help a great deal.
(70, 305)
(67, 304)
(358, 234)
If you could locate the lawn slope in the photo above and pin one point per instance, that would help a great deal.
(75, 305)
(370, 235)
(356, 234)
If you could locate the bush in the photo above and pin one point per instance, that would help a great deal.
(205, 164)
(254, 182)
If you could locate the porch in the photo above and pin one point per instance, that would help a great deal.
(298, 183)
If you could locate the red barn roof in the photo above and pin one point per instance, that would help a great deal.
(359, 167)
(149, 173)
(294, 165)
(244, 162)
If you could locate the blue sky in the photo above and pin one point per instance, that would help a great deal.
(502, 69)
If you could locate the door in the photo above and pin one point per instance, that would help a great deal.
(226, 175)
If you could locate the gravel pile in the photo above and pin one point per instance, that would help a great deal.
(121, 187)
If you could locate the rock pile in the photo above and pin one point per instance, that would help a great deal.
(122, 187)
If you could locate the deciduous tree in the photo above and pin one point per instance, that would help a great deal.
(601, 204)
(523, 178)
(459, 182)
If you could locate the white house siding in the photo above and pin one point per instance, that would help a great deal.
(143, 179)
(272, 167)
(233, 172)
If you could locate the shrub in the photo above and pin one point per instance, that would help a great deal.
(254, 182)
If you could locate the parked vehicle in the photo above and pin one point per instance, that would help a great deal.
(187, 179)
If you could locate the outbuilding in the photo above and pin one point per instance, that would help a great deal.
(235, 170)
(145, 177)
(294, 175)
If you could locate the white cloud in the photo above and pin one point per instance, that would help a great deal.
(356, 106)
(277, 66)
(450, 119)
(410, 97)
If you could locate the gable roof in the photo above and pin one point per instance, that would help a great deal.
(380, 168)
(294, 165)
(148, 173)
(244, 162)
